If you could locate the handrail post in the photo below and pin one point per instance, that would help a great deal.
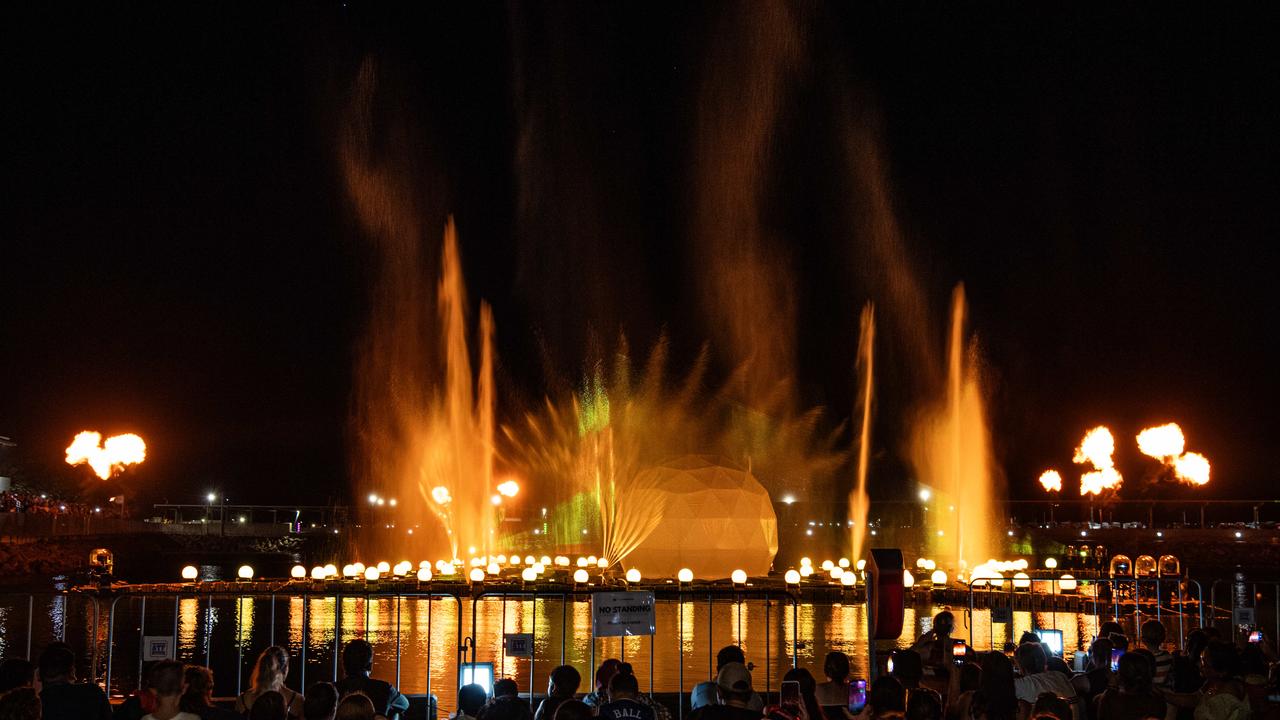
(142, 634)
(31, 616)
(397, 639)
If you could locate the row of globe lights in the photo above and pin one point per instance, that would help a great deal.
(404, 569)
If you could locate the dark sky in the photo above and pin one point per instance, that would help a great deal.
(181, 259)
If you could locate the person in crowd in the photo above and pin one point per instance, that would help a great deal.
(730, 654)
(357, 663)
(1036, 678)
(1134, 697)
(1151, 636)
(1097, 676)
(908, 668)
(703, 694)
(506, 703)
(924, 704)
(962, 684)
(600, 694)
(808, 693)
(355, 706)
(321, 702)
(61, 697)
(660, 711)
(166, 679)
(734, 693)
(197, 699)
(471, 698)
(1253, 674)
(561, 686)
(835, 691)
(886, 698)
(934, 645)
(269, 673)
(622, 704)
(996, 698)
(1222, 697)
(572, 710)
(16, 673)
(1185, 681)
(1197, 640)
(1050, 707)
(269, 705)
(20, 703)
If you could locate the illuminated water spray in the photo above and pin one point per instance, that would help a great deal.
(859, 500)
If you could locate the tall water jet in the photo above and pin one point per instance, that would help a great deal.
(859, 499)
(951, 453)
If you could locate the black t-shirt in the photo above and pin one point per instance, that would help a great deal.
(547, 710)
(74, 701)
(626, 710)
(505, 708)
(724, 712)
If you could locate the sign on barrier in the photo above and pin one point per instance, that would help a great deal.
(518, 644)
(617, 614)
(157, 647)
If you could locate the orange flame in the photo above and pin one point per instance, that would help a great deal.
(1051, 480)
(106, 458)
(1163, 442)
(1192, 468)
(1096, 448)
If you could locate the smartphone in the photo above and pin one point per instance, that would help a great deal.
(1115, 659)
(790, 694)
(1051, 640)
(857, 695)
(888, 665)
(1255, 636)
(959, 651)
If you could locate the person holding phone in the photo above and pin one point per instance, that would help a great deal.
(934, 645)
(1036, 678)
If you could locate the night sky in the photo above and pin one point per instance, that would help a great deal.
(181, 258)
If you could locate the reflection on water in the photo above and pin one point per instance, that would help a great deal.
(424, 635)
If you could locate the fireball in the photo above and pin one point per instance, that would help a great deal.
(107, 458)
(1096, 448)
(1192, 468)
(1051, 481)
(1163, 442)
(440, 494)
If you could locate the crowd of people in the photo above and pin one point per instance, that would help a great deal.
(20, 501)
(48, 690)
(937, 678)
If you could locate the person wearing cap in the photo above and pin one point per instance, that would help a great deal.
(708, 689)
(733, 688)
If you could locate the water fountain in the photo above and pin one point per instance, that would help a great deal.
(859, 498)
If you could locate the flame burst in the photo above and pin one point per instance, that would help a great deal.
(1051, 480)
(107, 458)
(1166, 444)
(1096, 448)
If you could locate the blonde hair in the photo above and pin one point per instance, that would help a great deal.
(270, 670)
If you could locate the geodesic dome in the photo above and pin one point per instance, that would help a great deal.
(715, 519)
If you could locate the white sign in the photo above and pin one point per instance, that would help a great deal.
(157, 647)
(518, 644)
(615, 614)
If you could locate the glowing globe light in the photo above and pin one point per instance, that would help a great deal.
(843, 562)
(448, 569)
(529, 574)
(1021, 564)
(1021, 581)
(930, 565)
(939, 577)
(477, 562)
(592, 559)
(372, 573)
(245, 572)
(908, 580)
(582, 562)
(501, 559)
(792, 577)
(602, 563)
(685, 575)
(477, 575)
(835, 572)
(739, 577)
(515, 561)
(190, 572)
(318, 573)
(806, 570)
(805, 561)
(330, 570)
(424, 574)
(545, 560)
(920, 563)
(425, 564)
(1051, 563)
(298, 572)
(633, 575)
(493, 569)
(580, 576)
(508, 488)
(827, 565)
(539, 568)
(861, 564)
(496, 500)
(562, 561)
(848, 579)
(357, 568)
(1067, 583)
(529, 560)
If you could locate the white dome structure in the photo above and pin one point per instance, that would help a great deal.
(714, 519)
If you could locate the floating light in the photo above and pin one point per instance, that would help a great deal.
(602, 563)
(424, 574)
(372, 573)
(1051, 562)
(580, 576)
(633, 575)
(245, 572)
(529, 574)
(792, 577)
(806, 570)
(562, 561)
(739, 577)
(939, 577)
(685, 575)
(843, 562)
(539, 568)
(493, 569)
(190, 572)
(581, 562)
(318, 573)
(508, 488)
(477, 575)
(298, 572)
(330, 570)
(827, 565)
(805, 561)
